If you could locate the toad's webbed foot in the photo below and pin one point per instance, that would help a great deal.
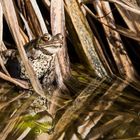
(9, 53)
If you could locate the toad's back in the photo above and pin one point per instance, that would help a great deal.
(43, 66)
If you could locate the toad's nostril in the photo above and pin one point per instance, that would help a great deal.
(61, 37)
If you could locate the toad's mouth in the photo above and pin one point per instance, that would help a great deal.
(50, 47)
(52, 43)
(49, 50)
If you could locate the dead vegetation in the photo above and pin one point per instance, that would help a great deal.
(97, 71)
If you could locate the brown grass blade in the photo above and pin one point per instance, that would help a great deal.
(47, 3)
(58, 26)
(29, 32)
(122, 60)
(2, 105)
(39, 16)
(18, 82)
(127, 16)
(3, 66)
(35, 18)
(1, 23)
(1, 42)
(127, 5)
(121, 30)
(84, 40)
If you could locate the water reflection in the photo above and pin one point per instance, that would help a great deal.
(95, 108)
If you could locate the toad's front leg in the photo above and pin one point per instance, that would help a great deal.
(11, 62)
(48, 79)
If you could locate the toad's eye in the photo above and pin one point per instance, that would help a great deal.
(46, 37)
